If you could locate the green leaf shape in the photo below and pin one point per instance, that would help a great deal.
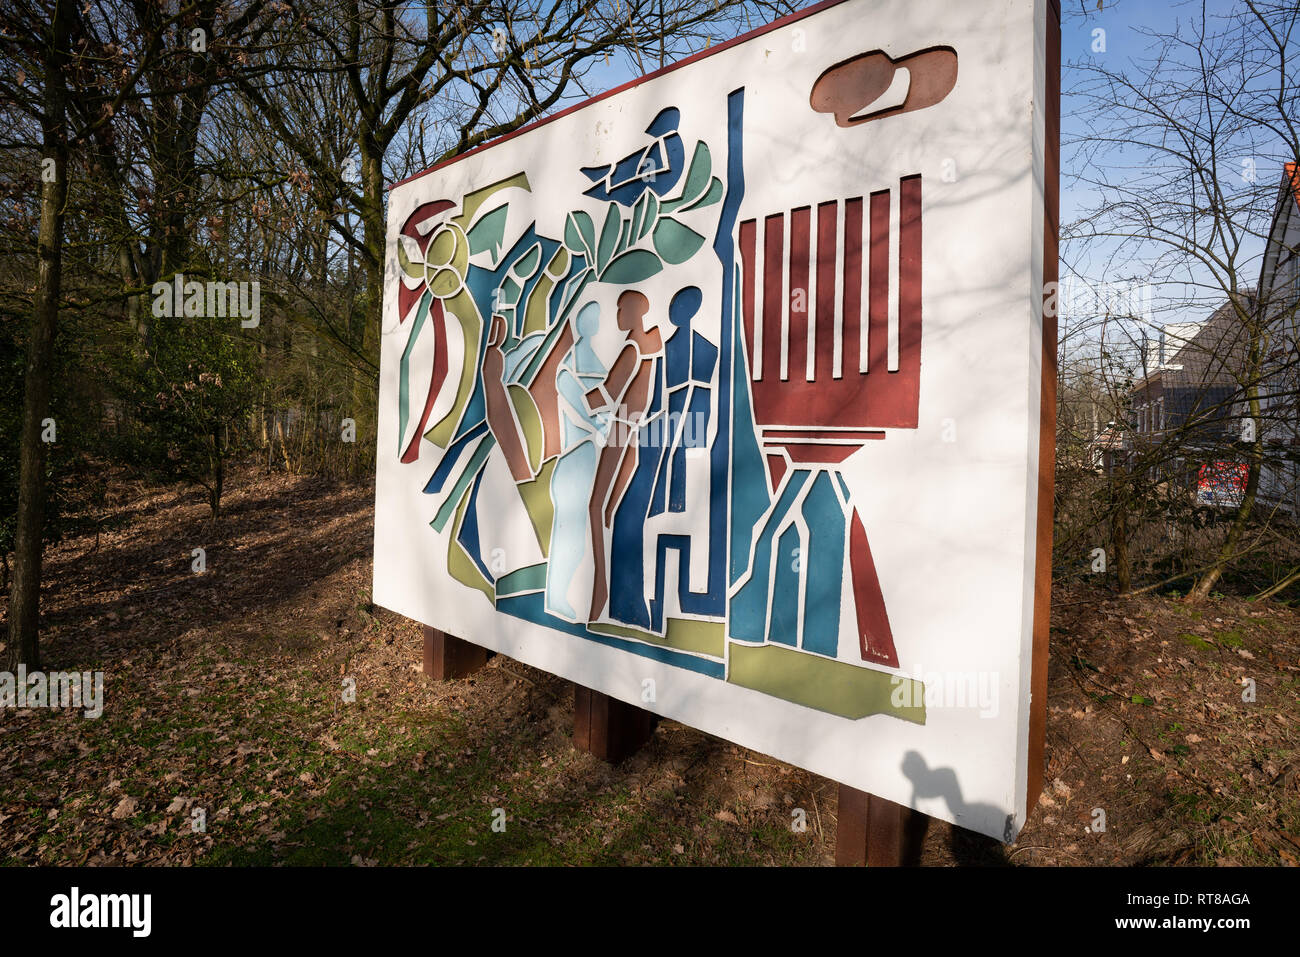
(638, 212)
(559, 263)
(404, 379)
(580, 233)
(651, 216)
(488, 233)
(510, 290)
(624, 235)
(445, 282)
(608, 237)
(526, 264)
(697, 178)
(632, 267)
(713, 194)
(674, 242)
(404, 259)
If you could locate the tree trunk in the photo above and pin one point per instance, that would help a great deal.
(1254, 367)
(373, 236)
(1227, 551)
(1119, 536)
(218, 483)
(25, 589)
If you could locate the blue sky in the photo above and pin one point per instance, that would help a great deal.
(1126, 47)
(1123, 22)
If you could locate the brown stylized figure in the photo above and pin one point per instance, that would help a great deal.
(626, 391)
(542, 391)
(855, 90)
(500, 418)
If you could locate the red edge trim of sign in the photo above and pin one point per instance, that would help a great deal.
(1042, 617)
(693, 58)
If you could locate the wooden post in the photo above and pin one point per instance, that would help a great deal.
(608, 728)
(876, 832)
(446, 656)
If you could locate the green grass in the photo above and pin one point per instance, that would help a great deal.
(1231, 639)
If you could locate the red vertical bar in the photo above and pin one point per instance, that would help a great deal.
(875, 637)
(826, 247)
(773, 295)
(852, 284)
(748, 236)
(439, 333)
(878, 291)
(800, 247)
(909, 297)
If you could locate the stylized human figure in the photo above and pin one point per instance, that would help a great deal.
(583, 431)
(689, 360)
(499, 415)
(680, 394)
(634, 391)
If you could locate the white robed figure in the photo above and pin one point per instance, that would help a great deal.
(583, 434)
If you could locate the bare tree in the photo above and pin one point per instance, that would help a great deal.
(427, 80)
(1180, 151)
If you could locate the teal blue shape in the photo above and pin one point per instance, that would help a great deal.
(749, 495)
(674, 242)
(609, 234)
(632, 267)
(785, 590)
(580, 234)
(529, 607)
(528, 579)
(476, 461)
(823, 567)
(489, 232)
(747, 619)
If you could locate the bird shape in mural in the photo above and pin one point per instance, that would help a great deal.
(656, 166)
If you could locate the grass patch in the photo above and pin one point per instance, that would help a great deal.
(1231, 639)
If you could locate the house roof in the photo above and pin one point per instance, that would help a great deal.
(1112, 437)
(1284, 225)
(1211, 356)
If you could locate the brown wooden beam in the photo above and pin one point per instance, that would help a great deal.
(1047, 414)
(447, 657)
(608, 728)
(876, 832)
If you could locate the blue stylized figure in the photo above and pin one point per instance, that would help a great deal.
(681, 393)
(627, 578)
(689, 362)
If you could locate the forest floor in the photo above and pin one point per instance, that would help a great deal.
(224, 706)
